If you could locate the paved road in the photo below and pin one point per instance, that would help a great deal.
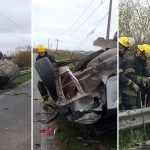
(36, 109)
(15, 119)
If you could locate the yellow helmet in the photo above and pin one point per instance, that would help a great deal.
(144, 48)
(41, 48)
(126, 41)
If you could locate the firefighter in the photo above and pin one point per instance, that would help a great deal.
(125, 44)
(133, 69)
(41, 49)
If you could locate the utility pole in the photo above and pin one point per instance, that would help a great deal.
(48, 44)
(57, 44)
(108, 25)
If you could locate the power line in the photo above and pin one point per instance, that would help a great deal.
(80, 16)
(82, 42)
(8, 33)
(90, 26)
(87, 18)
(95, 28)
(86, 38)
(97, 21)
(12, 34)
(14, 23)
(94, 24)
(90, 33)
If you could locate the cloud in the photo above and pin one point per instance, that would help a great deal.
(51, 19)
(12, 35)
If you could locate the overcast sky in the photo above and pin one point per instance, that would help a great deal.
(19, 11)
(52, 19)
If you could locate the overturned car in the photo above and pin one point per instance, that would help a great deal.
(88, 95)
(8, 71)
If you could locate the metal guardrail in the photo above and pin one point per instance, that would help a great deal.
(134, 118)
(24, 72)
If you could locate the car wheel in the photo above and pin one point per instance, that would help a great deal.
(46, 73)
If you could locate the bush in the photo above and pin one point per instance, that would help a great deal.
(23, 57)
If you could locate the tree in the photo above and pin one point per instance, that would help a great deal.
(134, 20)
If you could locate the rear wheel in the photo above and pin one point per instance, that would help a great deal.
(46, 73)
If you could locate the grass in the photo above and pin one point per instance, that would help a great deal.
(59, 58)
(128, 139)
(69, 137)
(21, 79)
(66, 54)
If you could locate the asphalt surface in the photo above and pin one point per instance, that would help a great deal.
(15, 118)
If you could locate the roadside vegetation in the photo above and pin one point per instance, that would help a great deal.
(66, 54)
(72, 138)
(129, 139)
(22, 57)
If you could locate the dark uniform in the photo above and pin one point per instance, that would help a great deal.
(147, 90)
(133, 69)
(41, 87)
(123, 80)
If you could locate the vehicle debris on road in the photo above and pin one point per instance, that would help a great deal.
(50, 137)
(47, 129)
(37, 145)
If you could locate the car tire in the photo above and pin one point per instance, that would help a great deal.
(46, 72)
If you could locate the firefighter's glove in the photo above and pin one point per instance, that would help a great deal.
(136, 87)
(42, 101)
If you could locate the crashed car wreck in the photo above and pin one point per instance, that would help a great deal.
(8, 71)
(88, 95)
